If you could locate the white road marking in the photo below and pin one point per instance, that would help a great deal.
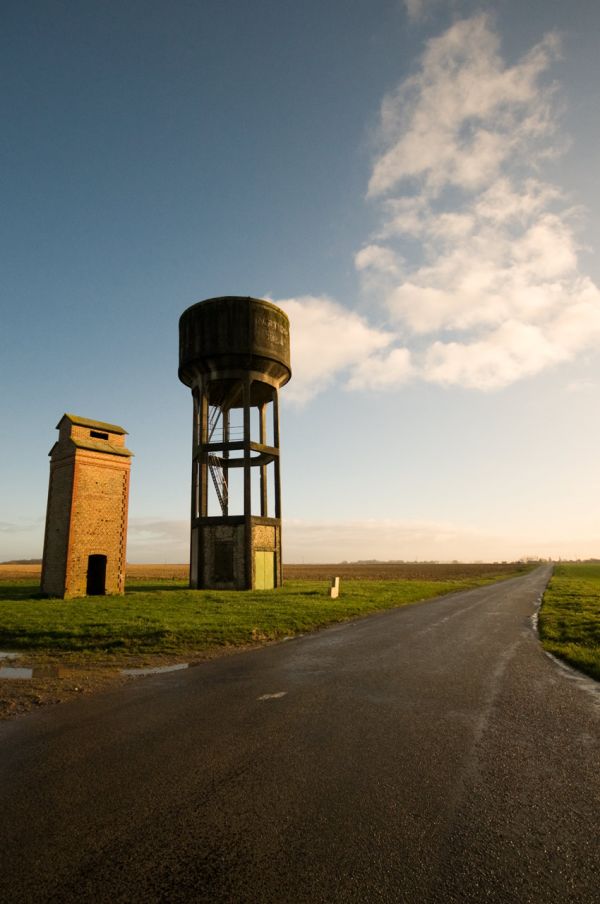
(155, 671)
(273, 696)
(580, 678)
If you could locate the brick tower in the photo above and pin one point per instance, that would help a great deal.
(86, 519)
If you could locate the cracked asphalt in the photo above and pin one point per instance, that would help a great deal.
(428, 754)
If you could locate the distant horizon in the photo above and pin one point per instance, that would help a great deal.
(524, 560)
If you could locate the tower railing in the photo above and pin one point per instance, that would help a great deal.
(235, 434)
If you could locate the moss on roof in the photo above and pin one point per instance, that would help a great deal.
(86, 422)
(100, 445)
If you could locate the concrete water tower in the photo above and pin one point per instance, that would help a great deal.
(234, 354)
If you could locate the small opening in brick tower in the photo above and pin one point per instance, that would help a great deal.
(98, 435)
(96, 576)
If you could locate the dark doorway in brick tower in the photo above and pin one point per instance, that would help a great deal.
(224, 561)
(96, 576)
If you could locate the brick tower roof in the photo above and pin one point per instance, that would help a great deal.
(86, 422)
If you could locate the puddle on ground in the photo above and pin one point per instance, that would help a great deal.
(16, 674)
(156, 671)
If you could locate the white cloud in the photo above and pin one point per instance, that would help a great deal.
(501, 204)
(404, 216)
(336, 541)
(332, 541)
(512, 351)
(497, 294)
(419, 9)
(328, 340)
(10, 527)
(464, 113)
(378, 258)
(493, 293)
(581, 386)
(387, 371)
(414, 8)
(158, 540)
(23, 539)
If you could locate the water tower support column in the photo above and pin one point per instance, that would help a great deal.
(249, 564)
(276, 444)
(264, 504)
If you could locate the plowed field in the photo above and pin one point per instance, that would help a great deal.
(400, 571)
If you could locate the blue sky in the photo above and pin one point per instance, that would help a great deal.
(416, 183)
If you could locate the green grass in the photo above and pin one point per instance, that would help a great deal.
(569, 622)
(164, 617)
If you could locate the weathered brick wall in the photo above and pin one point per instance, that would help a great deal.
(57, 527)
(227, 533)
(98, 520)
(76, 431)
(263, 536)
(221, 543)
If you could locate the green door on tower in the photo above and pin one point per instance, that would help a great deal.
(264, 566)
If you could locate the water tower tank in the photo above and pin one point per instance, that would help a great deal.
(232, 334)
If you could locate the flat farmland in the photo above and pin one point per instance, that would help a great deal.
(402, 571)
(357, 571)
(33, 571)
(348, 571)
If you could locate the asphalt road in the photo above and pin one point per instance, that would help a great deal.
(431, 754)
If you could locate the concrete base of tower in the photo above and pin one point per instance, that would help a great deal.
(236, 553)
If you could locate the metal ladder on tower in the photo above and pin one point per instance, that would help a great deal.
(217, 472)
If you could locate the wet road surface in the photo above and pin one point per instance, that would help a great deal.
(429, 754)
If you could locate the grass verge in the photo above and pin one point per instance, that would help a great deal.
(164, 617)
(569, 622)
